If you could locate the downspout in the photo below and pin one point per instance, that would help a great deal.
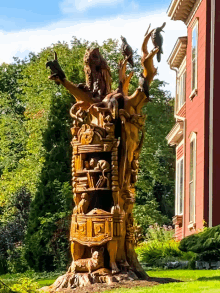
(184, 135)
(212, 57)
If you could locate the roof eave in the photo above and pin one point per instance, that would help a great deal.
(180, 9)
(175, 134)
(178, 53)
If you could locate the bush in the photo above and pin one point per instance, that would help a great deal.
(26, 285)
(12, 231)
(155, 232)
(16, 262)
(4, 288)
(205, 244)
(160, 247)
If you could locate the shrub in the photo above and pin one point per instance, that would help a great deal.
(160, 247)
(12, 231)
(26, 285)
(4, 288)
(206, 244)
(155, 232)
(154, 251)
(16, 262)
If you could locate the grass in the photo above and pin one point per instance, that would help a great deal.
(191, 281)
(43, 279)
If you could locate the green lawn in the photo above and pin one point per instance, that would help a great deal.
(191, 281)
(43, 279)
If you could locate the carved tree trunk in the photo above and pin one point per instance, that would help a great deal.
(106, 150)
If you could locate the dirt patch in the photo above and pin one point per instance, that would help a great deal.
(98, 287)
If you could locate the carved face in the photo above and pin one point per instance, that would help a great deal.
(84, 195)
(135, 164)
(123, 39)
(95, 255)
(86, 163)
(92, 57)
(92, 163)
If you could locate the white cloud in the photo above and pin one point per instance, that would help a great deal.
(131, 27)
(69, 6)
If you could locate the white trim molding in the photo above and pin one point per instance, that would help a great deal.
(176, 133)
(193, 139)
(194, 60)
(180, 9)
(178, 53)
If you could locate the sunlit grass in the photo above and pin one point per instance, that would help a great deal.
(187, 281)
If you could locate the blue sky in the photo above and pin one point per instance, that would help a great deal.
(17, 15)
(32, 25)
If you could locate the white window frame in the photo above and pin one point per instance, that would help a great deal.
(195, 26)
(193, 138)
(181, 80)
(178, 186)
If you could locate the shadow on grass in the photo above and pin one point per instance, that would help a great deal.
(163, 280)
(214, 278)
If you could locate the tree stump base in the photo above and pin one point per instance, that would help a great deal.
(70, 281)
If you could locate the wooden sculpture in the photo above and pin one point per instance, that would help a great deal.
(107, 138)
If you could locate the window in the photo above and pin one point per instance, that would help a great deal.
(179, 187)
(181, 91)
(192, 178)
(194, 55)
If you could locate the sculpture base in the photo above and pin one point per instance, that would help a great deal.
(70, 281)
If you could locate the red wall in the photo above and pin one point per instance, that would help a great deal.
(178, 232)
(195, 119)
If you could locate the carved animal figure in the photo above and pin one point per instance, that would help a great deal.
(55, 68)
(98, 77)
(127, 51)
(83, 204)
(157, 40)
(88, 264)
(93, 163)
(134, 170)
(102, 165)
(143, 84)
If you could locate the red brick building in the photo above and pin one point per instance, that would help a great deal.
(195, 58)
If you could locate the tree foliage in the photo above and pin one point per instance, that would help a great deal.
(155, 186)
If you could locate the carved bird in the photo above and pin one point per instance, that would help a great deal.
(55, 68)
(157, 40)
(127, 51)
(143, 85)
